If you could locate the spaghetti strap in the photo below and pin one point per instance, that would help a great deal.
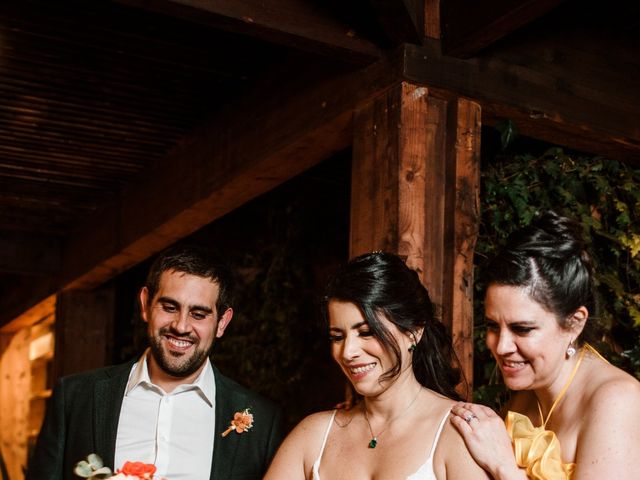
(437, 437)
(563, 391)
(326, 434)
(315, 473)
(590, 349)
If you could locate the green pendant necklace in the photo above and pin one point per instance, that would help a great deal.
(373, 443)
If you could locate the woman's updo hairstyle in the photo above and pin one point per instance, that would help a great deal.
(549, 260)
(380, 284)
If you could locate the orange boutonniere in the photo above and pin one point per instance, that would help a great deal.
(242, 421)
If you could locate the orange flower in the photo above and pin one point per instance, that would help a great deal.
(138, 469)
(242, 421)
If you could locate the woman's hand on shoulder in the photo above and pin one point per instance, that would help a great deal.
(454, 455)
(294, 459)
(486, 438)
(610, 435)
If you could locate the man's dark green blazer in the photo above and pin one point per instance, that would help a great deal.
(82, 418)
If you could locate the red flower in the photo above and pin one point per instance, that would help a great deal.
(139, 469)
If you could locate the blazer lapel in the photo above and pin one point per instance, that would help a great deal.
(108, 395)
(224, 448)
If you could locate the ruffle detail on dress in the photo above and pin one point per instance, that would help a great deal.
(537, 450)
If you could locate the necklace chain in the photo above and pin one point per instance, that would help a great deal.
(373, 443)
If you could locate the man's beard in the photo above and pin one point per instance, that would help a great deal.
(177, 369)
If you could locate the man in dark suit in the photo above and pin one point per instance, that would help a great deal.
(171, 406)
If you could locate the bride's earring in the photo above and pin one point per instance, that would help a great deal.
(571, 350)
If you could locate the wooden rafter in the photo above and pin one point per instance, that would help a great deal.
(468, 27)
(301, 25)
(595, 112)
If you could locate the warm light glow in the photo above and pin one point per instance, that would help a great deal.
(41, 346)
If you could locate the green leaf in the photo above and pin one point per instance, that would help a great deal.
(635, 315)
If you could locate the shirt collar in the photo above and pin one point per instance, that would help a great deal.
(205, 384)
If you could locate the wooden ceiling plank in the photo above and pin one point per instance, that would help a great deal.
(302, 25)
(252, 146)
(468, 27)
(551, 107)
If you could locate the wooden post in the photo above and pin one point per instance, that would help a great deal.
(15, 390)
(415, 184)
(84, 323)
(462, 213)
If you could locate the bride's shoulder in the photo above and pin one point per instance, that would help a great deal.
(319, 421)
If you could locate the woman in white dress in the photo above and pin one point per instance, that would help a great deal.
(398, 358)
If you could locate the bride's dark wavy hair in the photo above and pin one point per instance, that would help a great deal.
(380, 284)
(549, 260)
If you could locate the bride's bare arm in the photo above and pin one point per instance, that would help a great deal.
(294, 459)
(457, 460)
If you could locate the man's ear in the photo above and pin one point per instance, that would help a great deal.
(224, 320)
(143, 298)
(578, 320)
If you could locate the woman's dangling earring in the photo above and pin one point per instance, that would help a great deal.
(412, 347)
(571, 350)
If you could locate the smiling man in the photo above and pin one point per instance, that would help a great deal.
(171, 406)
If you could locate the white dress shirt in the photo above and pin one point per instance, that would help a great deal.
(174, 431)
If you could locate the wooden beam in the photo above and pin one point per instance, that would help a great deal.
(403, 21)
(28, 254)
(468, 27)
(42, 311)
(250, 147)
(303, 25)
(565, 97)
(415, 183)
(432, 27)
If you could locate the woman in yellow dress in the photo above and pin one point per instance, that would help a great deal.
(572, 414)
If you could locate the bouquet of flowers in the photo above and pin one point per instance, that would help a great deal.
(93, 468)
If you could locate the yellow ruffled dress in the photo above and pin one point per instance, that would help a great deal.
(536, 449)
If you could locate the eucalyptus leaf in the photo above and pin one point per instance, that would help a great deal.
(83, 469)
(95, 461)
(101, 473)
